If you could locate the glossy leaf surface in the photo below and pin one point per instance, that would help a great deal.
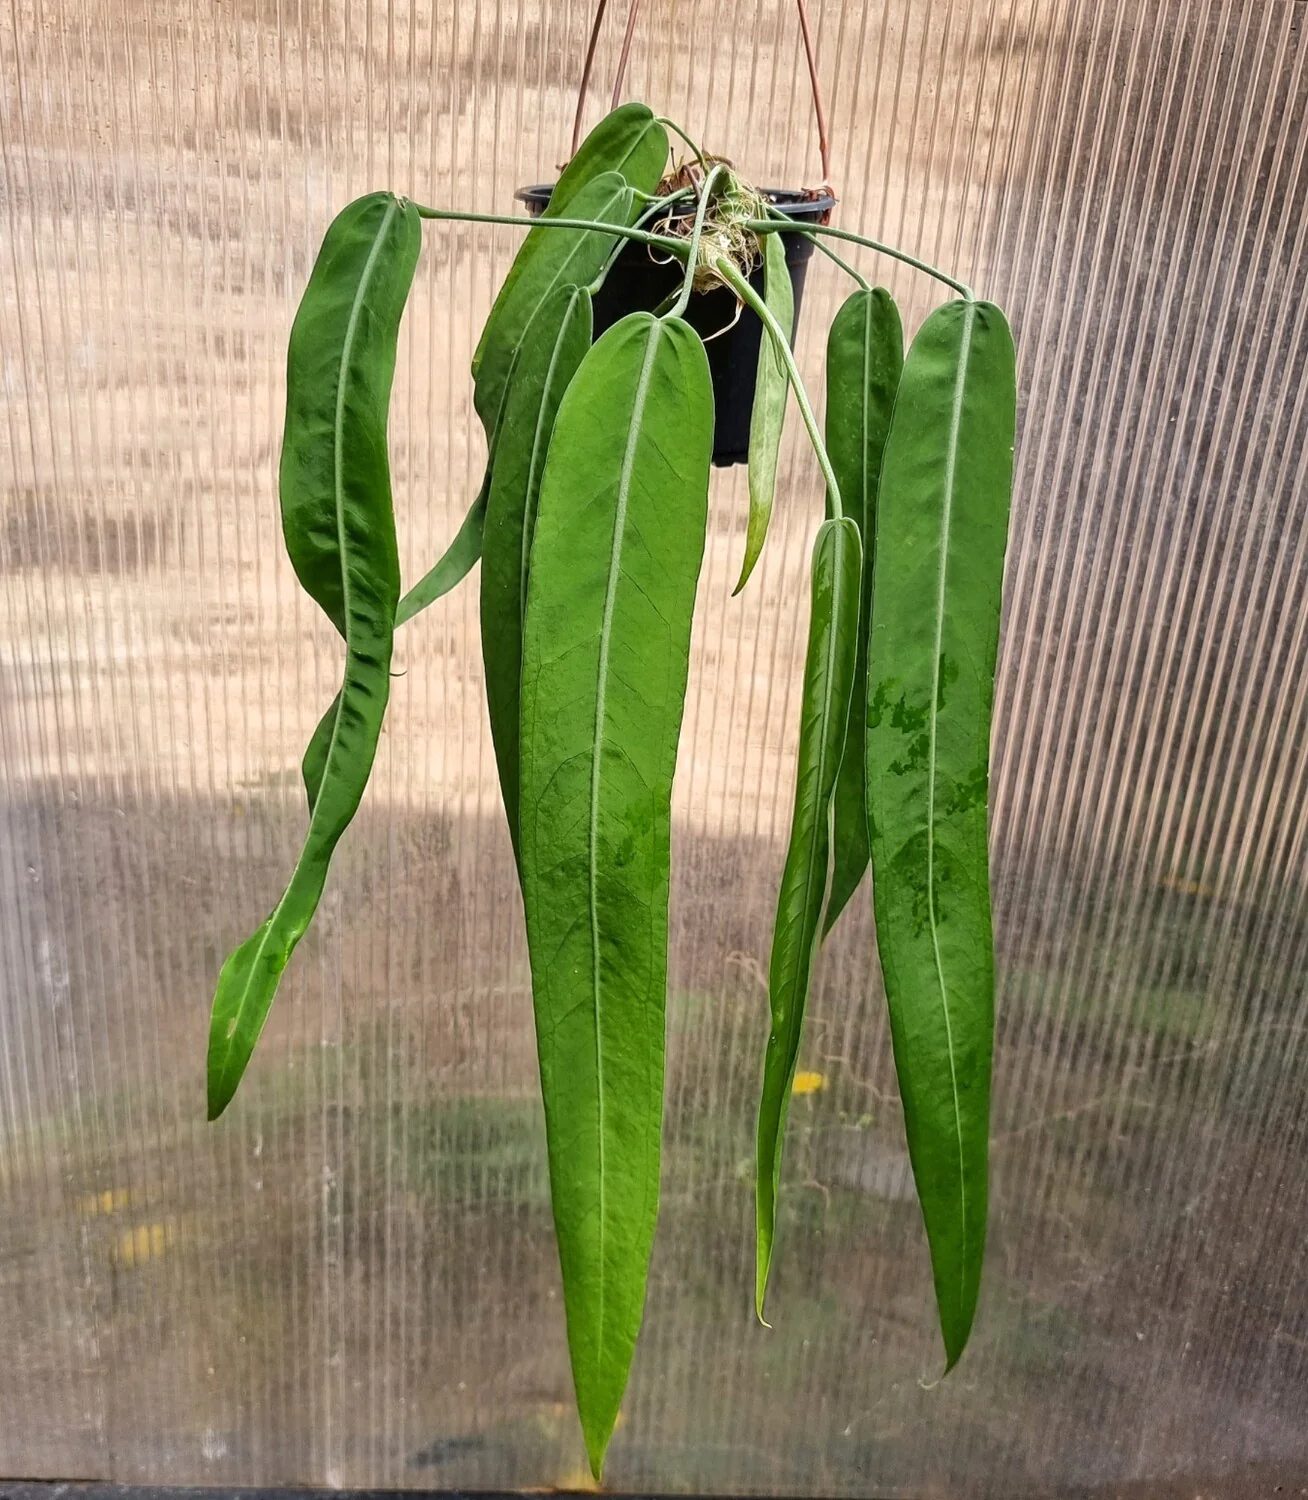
(865, 355)
(942, 523)
(628, 140)
(768, 415)
(617, 549)
(340, 532)
(554, 345)
(828, 685)
(559, 257)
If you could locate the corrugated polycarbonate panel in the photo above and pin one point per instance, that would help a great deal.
(351, 1279)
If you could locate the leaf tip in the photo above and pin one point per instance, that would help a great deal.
(597, 1445)
(763, 1265)
(956, 1332)
(218, 1096)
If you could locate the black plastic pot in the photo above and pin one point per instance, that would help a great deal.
(639, 281)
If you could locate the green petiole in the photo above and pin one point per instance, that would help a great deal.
(731, 274)
(677, 130)
(679, 306)
(790, 226)
(863, 282)
(519, 221)
(655, 207)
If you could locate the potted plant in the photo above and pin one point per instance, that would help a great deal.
(590, 525)
(639, 280)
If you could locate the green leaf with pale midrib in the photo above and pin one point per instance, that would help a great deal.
(615, 556)
(553, 346)
(628, 140)
(942, 521)
(769, 411)
(563, 257)
(865, 355)
(340, 534)
(828, 687)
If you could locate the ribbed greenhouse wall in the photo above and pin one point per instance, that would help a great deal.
(351, 1279)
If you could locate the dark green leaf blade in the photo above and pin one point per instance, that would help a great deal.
(340, 532)
(942, 525)
(616, 554)
(828, 686)
(865, 355)
(628, 140)
(562, 257)
(554, 345)
(771, 387)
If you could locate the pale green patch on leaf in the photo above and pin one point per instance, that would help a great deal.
(942, 524)
(865, 355)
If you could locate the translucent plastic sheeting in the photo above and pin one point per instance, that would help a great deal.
(351, 1279)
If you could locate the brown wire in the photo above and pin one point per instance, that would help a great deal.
(819, 108)
(626, 53)
(585, 74)
(821, 113)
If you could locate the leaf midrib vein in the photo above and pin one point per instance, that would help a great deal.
(606, 634)
(951, 465)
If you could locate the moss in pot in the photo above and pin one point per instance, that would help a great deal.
(641, 280)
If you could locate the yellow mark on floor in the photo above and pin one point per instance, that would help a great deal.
(1184, 887)
(111, 1201)
(579, 1478)
(134, 1247)
(808, 1083)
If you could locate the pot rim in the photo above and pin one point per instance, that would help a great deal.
(795, 203)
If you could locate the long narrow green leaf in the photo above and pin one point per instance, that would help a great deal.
(554, 345)
(562, 257)
(628, 140)
(769, 413)
(616, 554)
(340, 533)
(942, 524)
(828, 686)
(865, 355)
